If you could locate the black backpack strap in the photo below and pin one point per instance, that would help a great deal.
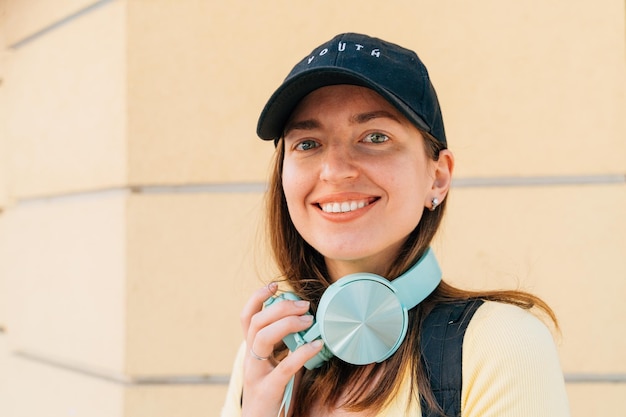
(442, 353)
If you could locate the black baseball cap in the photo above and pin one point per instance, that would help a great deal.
(394, 72)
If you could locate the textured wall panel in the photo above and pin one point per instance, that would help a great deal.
(39, 389)
(4, 143)
(192, 264)
(174, 400)
(597, 400)
(4, 373)
(564, 243)
(4, 288)
(193, 93)
(531, 88)
(66, 118)
(64, 274)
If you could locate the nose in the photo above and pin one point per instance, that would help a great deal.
(338, 164)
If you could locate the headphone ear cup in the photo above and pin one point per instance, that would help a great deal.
(361, 319)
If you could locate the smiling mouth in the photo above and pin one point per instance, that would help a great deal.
(344, 206)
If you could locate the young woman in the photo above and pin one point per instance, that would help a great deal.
(359, 185)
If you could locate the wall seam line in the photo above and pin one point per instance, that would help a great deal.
(223, 379)
(260, 187)
(212, 379)
(57, 24)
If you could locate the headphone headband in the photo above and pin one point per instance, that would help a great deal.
(419, 281)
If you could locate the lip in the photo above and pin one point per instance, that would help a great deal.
(363, 203)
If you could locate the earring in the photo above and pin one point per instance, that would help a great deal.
(435, 203)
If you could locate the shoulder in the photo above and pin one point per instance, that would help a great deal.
(510, 362)
(507, 333)
(494, 320)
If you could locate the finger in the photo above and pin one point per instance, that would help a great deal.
(295, 361)
(277, 312)
(276, 379)
(255, 304)
(267, 337)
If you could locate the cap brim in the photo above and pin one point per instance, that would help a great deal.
(281, 104)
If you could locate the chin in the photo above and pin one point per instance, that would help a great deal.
(353, 255)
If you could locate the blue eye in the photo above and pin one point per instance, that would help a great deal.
(305, 145)
(376, 138)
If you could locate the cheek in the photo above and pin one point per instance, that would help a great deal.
(412, 186)
(288, 179)
(294, 187)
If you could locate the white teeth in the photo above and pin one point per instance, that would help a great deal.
(343, 207)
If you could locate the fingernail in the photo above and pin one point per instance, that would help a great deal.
(302, 304)
(307, 318)
(272, 286)
(316, 344)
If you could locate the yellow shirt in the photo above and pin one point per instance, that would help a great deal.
(510, 368)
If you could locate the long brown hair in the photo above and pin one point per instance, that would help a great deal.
(304, 269)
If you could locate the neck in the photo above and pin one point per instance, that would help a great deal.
(376, 264)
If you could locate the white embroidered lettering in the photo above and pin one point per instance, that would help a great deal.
(376, 53)
(342, 46)
(359, 47)
(324, 51)
(311, 59)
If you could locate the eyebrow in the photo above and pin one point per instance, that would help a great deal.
(360, 118)
(302, 125)
(366, 117)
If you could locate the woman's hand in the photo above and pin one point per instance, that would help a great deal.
(265, 381)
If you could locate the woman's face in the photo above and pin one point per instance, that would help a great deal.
(356, 177)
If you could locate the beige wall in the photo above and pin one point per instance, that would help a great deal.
(131, 182)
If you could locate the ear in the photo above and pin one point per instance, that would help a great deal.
(442, 178)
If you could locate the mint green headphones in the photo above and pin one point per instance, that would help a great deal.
(363, 317)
